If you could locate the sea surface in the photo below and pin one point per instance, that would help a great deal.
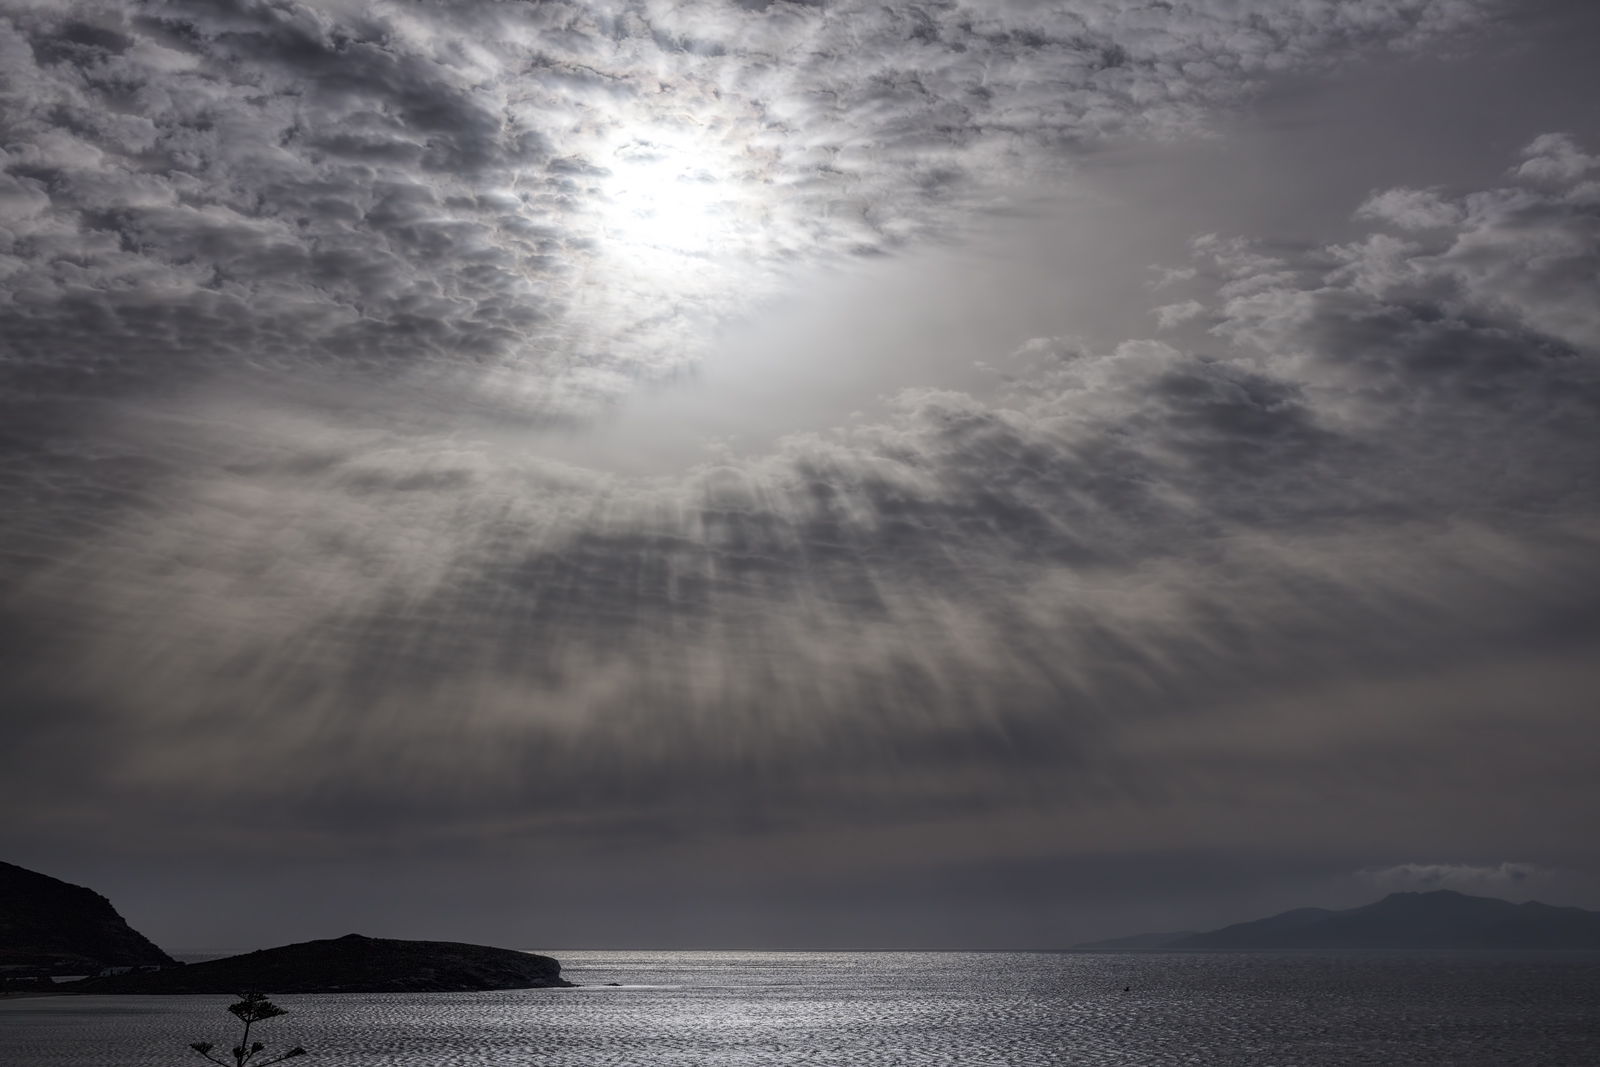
(863, 1009)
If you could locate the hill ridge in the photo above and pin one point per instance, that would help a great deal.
(350, 964)
(1433, 919)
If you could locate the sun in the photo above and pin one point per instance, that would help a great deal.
(682, 233)
(666, 199)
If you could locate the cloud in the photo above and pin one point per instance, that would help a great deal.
(1412, 209)
(1171, 276)
(1556, 157)
(1525, 257)
(967, 606)
(285, 283)
(1457, 876)
(544, 202)
(1171, 315)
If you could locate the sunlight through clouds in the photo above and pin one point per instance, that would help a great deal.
(297, 296)
(664, 199)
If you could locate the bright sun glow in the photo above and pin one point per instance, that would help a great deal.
(666, 197)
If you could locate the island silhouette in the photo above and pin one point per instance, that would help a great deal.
(1440, 919)
(349, 964)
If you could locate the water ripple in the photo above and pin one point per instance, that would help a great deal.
(744, 1009)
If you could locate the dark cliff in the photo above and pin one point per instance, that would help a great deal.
(350, 964)
(48, 926)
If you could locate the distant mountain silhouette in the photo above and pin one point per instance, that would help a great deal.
(50, 927)
(349, 964)
(1442, 919)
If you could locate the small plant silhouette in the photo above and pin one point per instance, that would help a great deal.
(251, 1009)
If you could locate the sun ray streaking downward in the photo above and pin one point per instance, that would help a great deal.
(946, 608)
(1279, 557)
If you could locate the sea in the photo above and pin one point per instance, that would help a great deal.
(877, 1009)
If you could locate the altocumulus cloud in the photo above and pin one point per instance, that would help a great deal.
(380, 217)
(411, 187)
(1038, 600)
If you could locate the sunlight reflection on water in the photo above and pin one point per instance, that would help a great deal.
(972, 1009)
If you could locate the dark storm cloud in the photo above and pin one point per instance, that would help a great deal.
(1080, 596)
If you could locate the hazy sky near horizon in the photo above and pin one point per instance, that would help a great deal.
(581, 474)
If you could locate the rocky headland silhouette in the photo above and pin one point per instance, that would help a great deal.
(50, 928)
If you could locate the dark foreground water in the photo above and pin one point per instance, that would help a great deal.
(864, 1009)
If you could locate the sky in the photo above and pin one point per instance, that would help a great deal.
(730, 473)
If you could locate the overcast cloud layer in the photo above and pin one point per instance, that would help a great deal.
(285, 284)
